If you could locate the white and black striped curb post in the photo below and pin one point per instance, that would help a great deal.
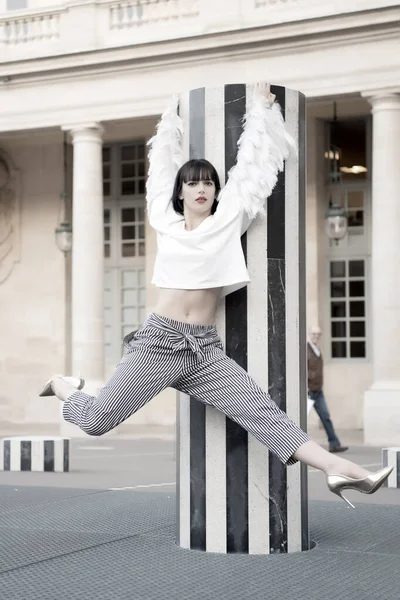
(34, 453)
(391, 458)
(233, 495)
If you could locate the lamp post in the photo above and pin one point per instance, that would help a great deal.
(334, 155)
(336, 216)
(336, 222)
(63, 235)
(63, 232)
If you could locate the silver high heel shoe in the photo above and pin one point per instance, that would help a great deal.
(367, 485)
(77, 382)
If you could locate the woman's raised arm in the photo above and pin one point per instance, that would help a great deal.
(262, 149)
(165, 159)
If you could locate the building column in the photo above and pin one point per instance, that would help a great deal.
(382, 400)
(87, 259)
(315, 218)
(233, 496)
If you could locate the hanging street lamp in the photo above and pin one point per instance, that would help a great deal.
(63, 232)
(63, 235)
(336, 222)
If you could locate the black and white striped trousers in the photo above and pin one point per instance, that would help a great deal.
(166, 353)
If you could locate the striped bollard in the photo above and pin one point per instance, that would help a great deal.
(233, 496)
(34, 453)
(391, 458)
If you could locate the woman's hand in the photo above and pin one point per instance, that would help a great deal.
(263, 88)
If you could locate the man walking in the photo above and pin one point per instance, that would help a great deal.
(315, 381)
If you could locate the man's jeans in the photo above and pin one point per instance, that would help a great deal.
(323, 413)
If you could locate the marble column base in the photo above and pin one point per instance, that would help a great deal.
(382, 417)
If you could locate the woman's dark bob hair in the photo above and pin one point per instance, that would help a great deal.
(194, 170)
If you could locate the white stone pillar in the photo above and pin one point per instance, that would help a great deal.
(382, 400)
(315, 219)
(87, 258)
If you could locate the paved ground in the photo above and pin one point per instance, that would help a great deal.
(148, 463)
(106, 531)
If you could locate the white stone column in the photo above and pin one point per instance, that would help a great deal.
(382, 400)
(87, 259)
(315, 218)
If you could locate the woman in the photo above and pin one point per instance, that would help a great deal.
(199, 260)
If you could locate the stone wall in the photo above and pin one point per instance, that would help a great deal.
(32, 298)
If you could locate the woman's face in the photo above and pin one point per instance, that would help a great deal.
(198, 196)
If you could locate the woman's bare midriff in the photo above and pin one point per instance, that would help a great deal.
(197, 307)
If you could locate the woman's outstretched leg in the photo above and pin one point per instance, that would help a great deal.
(150, 366)
(315, 456)
(222, 383)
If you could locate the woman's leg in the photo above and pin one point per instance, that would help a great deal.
(221, 382)
(142, 373)
(315, 456)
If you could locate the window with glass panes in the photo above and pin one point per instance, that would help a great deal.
(355, 208)
(124, 180)
(132, 232)
(133, 179)
(348, 308)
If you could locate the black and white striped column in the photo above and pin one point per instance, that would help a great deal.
(233, 495)
(391, 458)
(34, 454)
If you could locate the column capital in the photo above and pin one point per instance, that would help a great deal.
(85, 131)
(383, 99)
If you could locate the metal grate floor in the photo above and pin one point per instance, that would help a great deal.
(79, 545)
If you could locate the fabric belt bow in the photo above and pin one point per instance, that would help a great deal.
(184, 341)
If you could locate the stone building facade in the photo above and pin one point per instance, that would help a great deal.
(82, 85)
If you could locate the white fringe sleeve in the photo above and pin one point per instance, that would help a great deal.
(262, 149)
(165, 159)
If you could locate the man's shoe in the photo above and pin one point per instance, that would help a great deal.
(338, 449)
